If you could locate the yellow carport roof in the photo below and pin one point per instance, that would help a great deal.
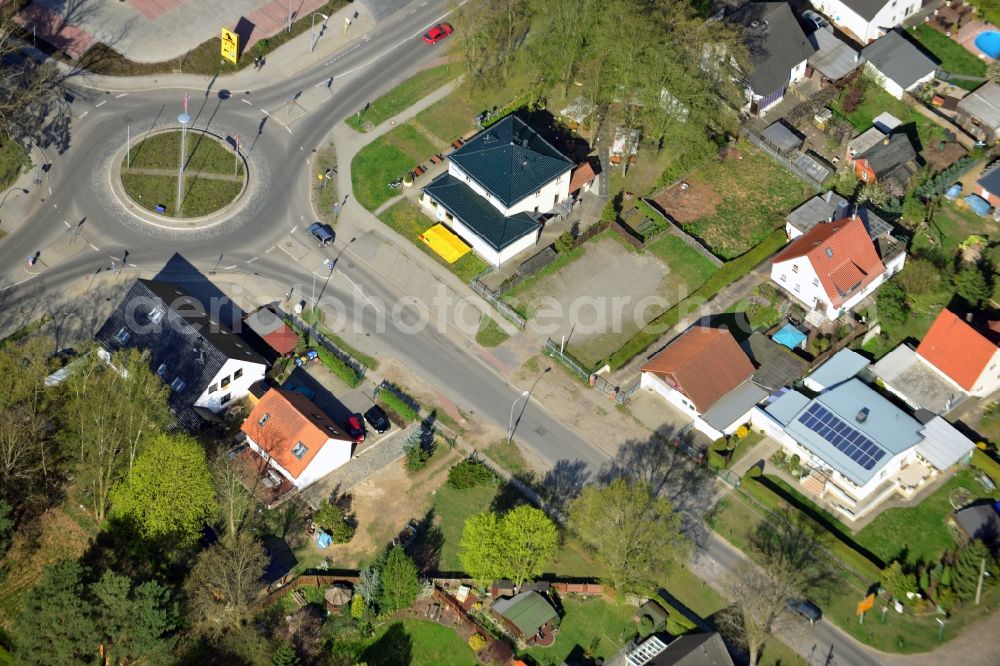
(444, 242)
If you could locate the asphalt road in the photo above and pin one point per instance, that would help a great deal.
(237, 247)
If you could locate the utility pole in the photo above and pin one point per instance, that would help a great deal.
(128, 148)
(979, 585)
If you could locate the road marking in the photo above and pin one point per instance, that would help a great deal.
(120, 96)
(363, 295)
(95, 247)
(301, 150)
(133, 265)
(246, 101)
(287, 128)
(250, 261)
(270, 249)
(265, 112)
(307, 160)
(101, 103)
(56, 206)
(50, 190)
(83, 114)
(229, 268)
(67, 224)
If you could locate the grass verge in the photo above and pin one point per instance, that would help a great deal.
(207, 195)
(315, 317)
(403, 96)
(729, 273)
(324, 190)
(408, 220)
(448, 119)
(14, 159)
(150, 191)
(490, 334)
(955, 58)
(508, 456)
(683, 260)
(383, 161)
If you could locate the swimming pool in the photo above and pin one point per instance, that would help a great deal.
(989, 43)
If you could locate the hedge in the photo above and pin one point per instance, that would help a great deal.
(396, 404)
(350, 376)
(983, 461)
(729, 273)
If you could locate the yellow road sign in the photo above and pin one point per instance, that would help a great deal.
(866, 604)
(230, 45)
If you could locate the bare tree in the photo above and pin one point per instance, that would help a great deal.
(26, 86)
(224, 586)
(235, 501)
(790, 563)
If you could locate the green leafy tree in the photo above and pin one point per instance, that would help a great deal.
(565, 242)
(919, 276)
(637, 534)
(55, 626)
(516, 545)
(479, 547)
(6, 530)
(968, 562)
(897, 582)
(874, 193)
(109, 412)
(893, 308)
(169, 491)
(972, 285)
(331, 520)
(224, 584)
(286, 655)
(488, 35)
(133, 621)
(400, 584)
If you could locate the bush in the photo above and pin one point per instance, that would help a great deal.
(417, 454)
(893, 309)
(612, 209)
(477, 642)
(715, 459)
(337, 366)
(403, 408)
(468, 474)
(565, 242)
(919, 276)
(972, 285)
(742, 432)
(330, 519)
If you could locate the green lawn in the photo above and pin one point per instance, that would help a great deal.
(877, 100)
(776, 653)
(508, 456)
(204, 195)
(418, 642)
(14, 159)
(451, 508)
(403, 96)
(755, 193)
(758, 316)
(448, 119)
(324, 192)
(207, 154)
(592, 624)
(384, 160)
(955, 58)
(490, 334)
(683, 260)
(158, 151)
(921, 530)
(148, 191)
(924, 309)
(408, 220)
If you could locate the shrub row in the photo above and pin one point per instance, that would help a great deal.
(729, 273)
(470, 473)
(403, 407)
(942, 180)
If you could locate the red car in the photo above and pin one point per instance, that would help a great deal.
(437, 33)
(355, 427)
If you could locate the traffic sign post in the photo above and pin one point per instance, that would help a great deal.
(230, 45)
(865, 605)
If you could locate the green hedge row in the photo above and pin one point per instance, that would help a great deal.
(394, 403)
(729, 273)
(333, 362)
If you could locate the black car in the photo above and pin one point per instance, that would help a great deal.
(806, 609)
(321, 233)
(377, 419)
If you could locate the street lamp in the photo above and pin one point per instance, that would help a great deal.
(312, 25)
(510, 425)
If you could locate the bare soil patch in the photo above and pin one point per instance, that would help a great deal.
(940, 159)
(699, 200)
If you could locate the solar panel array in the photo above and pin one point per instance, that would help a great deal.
(847, 440)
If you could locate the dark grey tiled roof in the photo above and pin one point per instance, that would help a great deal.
(991, 179)
(897, 58)
(478, 214)
(885, 157)
(777, 366)
(510, 160)
(694, 650)
(775, 43)
(191, 345)
(866, 9)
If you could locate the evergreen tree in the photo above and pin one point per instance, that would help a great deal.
(55, 626)
(133, 621)
(972, 285)
(400, 584)
(286, 655)
(968, 562)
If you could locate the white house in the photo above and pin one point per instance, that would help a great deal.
(205, 365)
(777, 48)
(867, 20)
(961, 354)
(496, 186)
(834, 265)
(897, 64)
(859, 449)
(296, 437)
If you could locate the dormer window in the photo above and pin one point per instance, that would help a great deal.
(123, 335)
(162, 370)
(178, 384)
(299, 450)
(238, 374)
(264, 419)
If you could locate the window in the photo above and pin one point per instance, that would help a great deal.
(238, 374)
(299, 450)
(797, 288)
(538, 193)
(178, 384)
(123, 335)
(263, 419)
(156, 315)
(226, 398)
(162, 370)
(815, 282)
(795, 268)
(225, 381)
(783, 277)
(213, 388)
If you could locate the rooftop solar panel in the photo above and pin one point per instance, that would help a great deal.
(845, 438)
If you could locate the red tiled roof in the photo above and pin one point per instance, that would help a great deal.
(956, 349)
(291, 419)
(841, 253)
(706, 363)
(582, 174)
(282, 340)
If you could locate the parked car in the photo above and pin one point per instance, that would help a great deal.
(806, 609)
(355, 427)
(437, 33)
(304, 390)
(378, 419)
(321, 233)
(814, 20)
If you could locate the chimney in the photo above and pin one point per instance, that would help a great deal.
(862, 415)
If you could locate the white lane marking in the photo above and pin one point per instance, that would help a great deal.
(11, 286)
(56, 206)
(250, 261)
(287, 128)
(50, 190)
(265, 112)
(363, 295)
(83, 114)
(307, 160)
(97, 249)
(229, 268)
(246, 101)
(423, 4)
(133, 265)
(66, 222)
(101, 103)
(270, 249)
(120, 96)
(302, 150)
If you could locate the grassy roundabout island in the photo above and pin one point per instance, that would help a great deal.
(213, 175)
